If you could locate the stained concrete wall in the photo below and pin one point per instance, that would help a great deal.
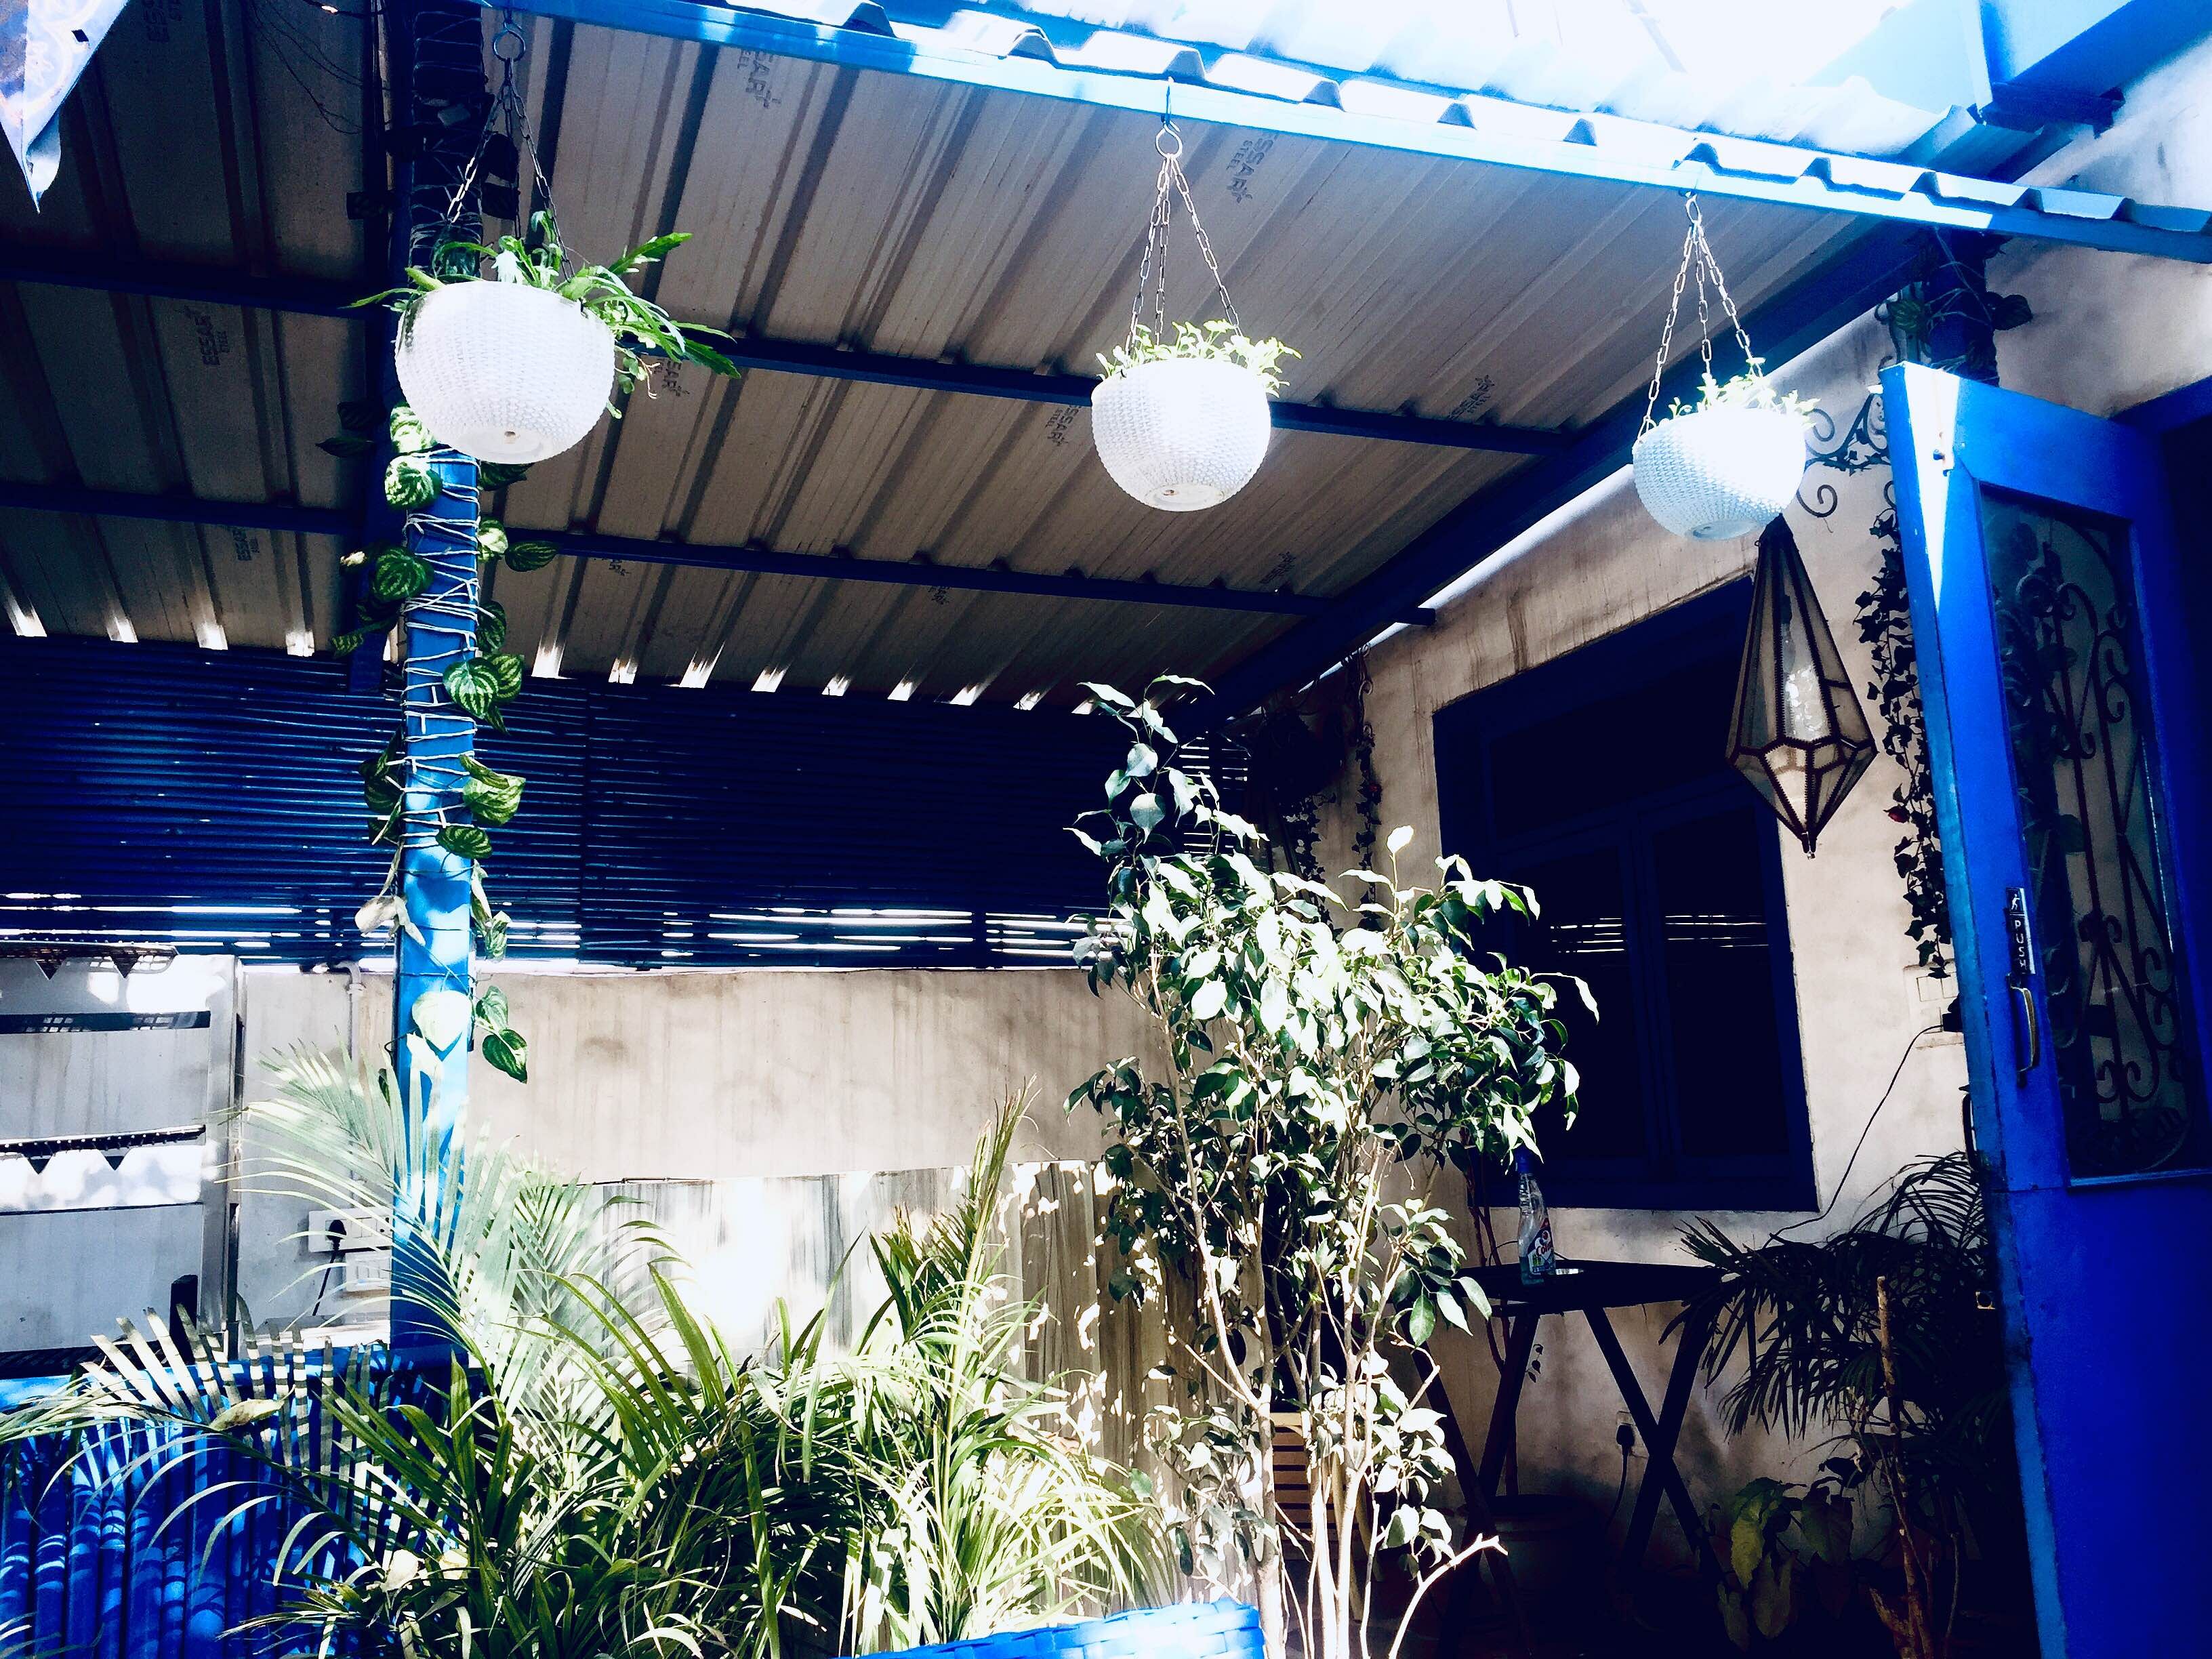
(2113, 330)
(2110, 332)
(705, 1076)
(1599, 567)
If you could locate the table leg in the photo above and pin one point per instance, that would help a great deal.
(1660, 1473)
(1520, 1343)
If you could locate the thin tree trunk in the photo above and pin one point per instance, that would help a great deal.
(1911, 1621)
(1274, 1622)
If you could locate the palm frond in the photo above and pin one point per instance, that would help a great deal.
(1802, 1317)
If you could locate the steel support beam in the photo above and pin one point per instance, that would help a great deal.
(759, 560)
(176, 509)
(1793, 322)
(307, 296)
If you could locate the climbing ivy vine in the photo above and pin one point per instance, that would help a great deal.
(1884, 622)
(1948, 318)
(480, 685)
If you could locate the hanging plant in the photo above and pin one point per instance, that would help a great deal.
(516, 364)
(1180, 419)
(1725, 465)
(509, 351)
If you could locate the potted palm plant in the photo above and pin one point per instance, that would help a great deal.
(509, 351)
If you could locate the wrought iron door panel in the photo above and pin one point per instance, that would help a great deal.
(2057, 620)
(2078, 714)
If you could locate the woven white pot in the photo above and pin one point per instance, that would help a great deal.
(1180, 433)
(1718, 473)
(506, 372)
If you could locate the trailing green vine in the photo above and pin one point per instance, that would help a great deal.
(1364, 838)
(481, 684)
(1884, 622)
(1947, 318)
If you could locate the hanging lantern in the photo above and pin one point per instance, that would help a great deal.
(1181, 420)
(1725, 465)
(1798, 733)
(504, 371)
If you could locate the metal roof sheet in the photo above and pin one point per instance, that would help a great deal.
(1753, 71)
(939, 219)
(1754, 134)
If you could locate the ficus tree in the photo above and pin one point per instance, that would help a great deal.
(1324, 1058)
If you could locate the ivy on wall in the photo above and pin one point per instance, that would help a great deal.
(1884, 622)
(1297, 748)
(1948, 318)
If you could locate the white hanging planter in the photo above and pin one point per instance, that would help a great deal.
(1180, 433)
(505, 371)
(1720, 472)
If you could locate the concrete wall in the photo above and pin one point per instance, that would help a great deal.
(2111, 329)
(2110, 332)
(1601, 566)
(707, 1075)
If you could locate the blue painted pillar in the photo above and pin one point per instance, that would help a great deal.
(439, 44)
(432, 995)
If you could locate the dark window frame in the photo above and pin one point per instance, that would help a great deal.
(1710, 626)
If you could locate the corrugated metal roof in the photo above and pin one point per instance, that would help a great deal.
(887, 212)
(1566, 125)
(1742, 67)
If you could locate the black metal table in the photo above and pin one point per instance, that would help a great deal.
(1590, 1288)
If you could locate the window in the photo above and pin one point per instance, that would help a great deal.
(1598, 781)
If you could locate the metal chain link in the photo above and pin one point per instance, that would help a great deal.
(1153, 269)
(508, 44)
(1697, 259)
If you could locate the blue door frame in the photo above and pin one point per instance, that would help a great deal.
(2105, 1274)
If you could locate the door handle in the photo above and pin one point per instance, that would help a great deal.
(2025, 1067)
(2021, 980)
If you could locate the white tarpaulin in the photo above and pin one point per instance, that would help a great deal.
(44, 45)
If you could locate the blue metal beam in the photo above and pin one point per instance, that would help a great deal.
(308, 296)
(1794, 321)
(1835, 185)
(176, 509)
(813, 567)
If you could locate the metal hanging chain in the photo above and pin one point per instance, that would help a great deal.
(1153, 269)
(1697, 259)
(506, 117)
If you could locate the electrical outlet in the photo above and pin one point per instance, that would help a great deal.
(368, 1274)
(1625, 1435)
(354, 1230)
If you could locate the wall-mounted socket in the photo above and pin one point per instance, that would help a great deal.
(368, 1274)
(349, 1229)
(1625, 1435)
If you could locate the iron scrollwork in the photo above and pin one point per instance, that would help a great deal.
(2077, 715)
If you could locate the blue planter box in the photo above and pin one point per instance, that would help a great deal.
(1190, 1630)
